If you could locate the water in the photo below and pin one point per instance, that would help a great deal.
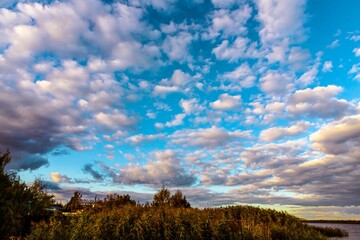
(352, 229)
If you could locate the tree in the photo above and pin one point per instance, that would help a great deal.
(161, 198)
(116, 200)
(178, 200)
(75, 203)
(18, 200)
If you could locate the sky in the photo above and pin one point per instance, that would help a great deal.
(230, 101)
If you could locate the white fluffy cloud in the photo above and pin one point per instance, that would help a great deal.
(207, 137)
(274, 83)
(140, 138)
(318, 102)
(226, 23)
(177, 47)
(281, 19)
(227, 102)
(242, 75)
(275, 133)
(177, 121)
(338, 137)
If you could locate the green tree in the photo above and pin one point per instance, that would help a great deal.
(178, 200)
(18, 200)
(162, 198)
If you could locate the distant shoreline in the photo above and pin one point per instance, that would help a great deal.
(332, 221)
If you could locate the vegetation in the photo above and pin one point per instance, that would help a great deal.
(17, 200)
(120, 217)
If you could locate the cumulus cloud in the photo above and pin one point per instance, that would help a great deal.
(166, 169)
(338, 137)
(176, 83)
(274, 83)
(140, 138)
(178, 120)
(240, 48)
(191, 106)
(227, 23)
(275, 133)
(318, 102)
(177, 47)
(114, 119)
(242, 75)
(207, 137)
(281, 20)
(227, 102)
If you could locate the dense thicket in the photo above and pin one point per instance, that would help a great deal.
(147, 222)
(18, 200)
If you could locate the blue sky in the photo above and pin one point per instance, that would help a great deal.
(232, 102)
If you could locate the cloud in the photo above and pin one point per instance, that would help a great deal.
(274, 83)
(355, 38)
(242, 75)
(357, 52)
(227, 23)
(281, 20)
(240, 48)
(274, 155)
(177, 47)
(355, 70)
(275, 133)
(327, 67)
(206, 137)
(114, 119)
(89, 168)
(334, 44)
(308, 77)
(227, 102)
(60, 178)
(140, 138)
(318, 102)
(164, 90)
(338, 137)
(191, 106)
(165, 169)
(177, 82)
(178, 120)
(179, 78)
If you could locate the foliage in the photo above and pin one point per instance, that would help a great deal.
(75, 203)
(163, 198)
(148, 222)
(179, 200)
(18, 200)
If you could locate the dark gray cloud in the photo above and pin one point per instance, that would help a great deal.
(89, 168)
